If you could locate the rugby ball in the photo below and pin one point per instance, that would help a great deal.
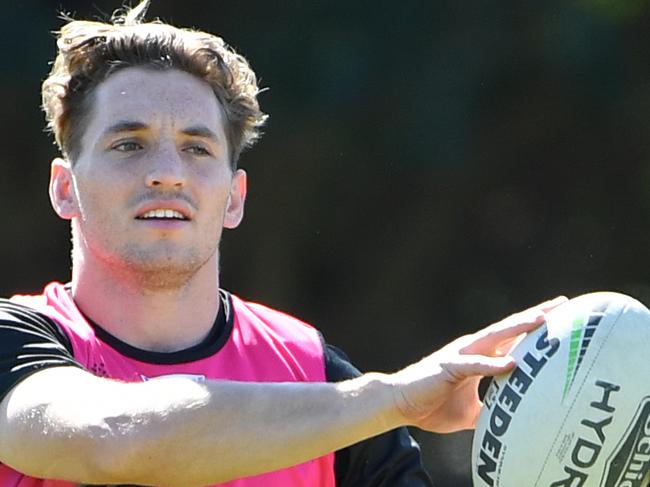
(575, 411)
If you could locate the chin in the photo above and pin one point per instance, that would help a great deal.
(168, 269)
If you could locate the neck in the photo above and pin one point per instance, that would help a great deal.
(155, 318)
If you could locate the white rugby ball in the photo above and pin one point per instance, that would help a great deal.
(575, 411)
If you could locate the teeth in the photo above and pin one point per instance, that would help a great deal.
(160, 213)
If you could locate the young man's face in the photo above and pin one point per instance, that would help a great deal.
(152, 188)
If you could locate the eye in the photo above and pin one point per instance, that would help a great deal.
(198, 150)
(127, 146)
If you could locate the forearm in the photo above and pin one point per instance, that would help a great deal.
(177, 432)
(254, 428)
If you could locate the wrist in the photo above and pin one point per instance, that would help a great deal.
(378, 396)
(408, 409)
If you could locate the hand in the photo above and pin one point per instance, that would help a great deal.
(440, 392)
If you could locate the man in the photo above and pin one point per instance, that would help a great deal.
(142, 370)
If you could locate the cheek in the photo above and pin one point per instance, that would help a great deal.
(215, 186)
(97, 199)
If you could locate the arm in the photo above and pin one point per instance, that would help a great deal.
(63, 422)
(102, 431)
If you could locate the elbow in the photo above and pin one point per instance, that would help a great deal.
(72, 451)
(129, 454)
(117, 453)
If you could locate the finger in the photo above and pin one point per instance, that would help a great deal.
(477, 366)
(530, 313)
(492, 338)
(547, 306)
(508, 346)
(499, 337)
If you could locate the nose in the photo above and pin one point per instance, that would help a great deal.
(166, 170)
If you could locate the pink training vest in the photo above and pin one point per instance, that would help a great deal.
(264, 346)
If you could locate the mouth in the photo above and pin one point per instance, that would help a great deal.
(162, 214)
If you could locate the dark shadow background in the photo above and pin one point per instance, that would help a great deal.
(428, 166)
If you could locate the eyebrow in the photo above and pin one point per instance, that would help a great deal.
(201, 131)
(135, 126)
(124, 126)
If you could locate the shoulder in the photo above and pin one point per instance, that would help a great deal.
(56, 303)
(266, 313)
(17, 314)
(29, 341)
(275, 337)
(23, 317)
(268, 320)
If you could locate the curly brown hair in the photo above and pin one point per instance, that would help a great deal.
(89, 52)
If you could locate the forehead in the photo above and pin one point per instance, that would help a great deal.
(155, 97)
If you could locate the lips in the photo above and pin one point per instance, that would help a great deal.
(164, 210)
(160, 213)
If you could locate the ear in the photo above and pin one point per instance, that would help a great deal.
(62, 194)
(236, 199)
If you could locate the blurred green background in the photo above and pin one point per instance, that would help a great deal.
(428, 167)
